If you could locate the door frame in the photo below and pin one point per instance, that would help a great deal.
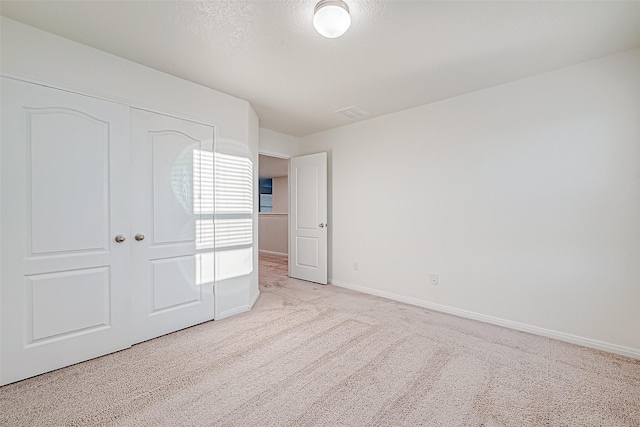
(283, 156)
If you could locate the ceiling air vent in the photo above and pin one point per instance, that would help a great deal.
(352, 112)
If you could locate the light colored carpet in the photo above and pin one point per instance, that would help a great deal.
(311, 355)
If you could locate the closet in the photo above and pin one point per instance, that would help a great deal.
(107, 227)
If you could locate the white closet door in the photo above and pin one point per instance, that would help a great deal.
(172, 218)
(64, 293)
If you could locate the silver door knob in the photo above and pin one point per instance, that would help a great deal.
(321, 225)
(139, 237)
(120, 238)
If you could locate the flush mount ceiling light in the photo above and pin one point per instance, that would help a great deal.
(331, 18)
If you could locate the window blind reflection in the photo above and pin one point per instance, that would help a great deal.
(223, 200)
(205, 237)
(203, 176)
(233, 184)
(233, 232)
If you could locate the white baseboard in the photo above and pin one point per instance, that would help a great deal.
(238, 310)
(561, 336)
(233, 312)
(254, 300)
(262, 251)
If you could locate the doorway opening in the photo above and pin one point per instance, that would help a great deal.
(273, 216)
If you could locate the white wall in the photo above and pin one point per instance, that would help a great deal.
(524, 198)
(280, 194)
(274, 233)
(41, 56)
(278, 144)
(38, 56)
(274, 226)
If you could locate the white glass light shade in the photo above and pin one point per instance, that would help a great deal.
(331, 18)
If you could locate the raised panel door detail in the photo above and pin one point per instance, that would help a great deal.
(68, 302)
(69, 180)
(307, 251)
(174, 283)
(65, 181)
(308, 232)
(307, 206)
(173, 191)
(172, 195)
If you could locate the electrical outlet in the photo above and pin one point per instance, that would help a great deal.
(356, 265)
(433, 278)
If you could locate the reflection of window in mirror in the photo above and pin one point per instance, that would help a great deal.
(266, 195)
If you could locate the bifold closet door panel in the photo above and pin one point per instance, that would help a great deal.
(65, 185)
(172, 219)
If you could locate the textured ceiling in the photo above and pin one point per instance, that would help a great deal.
(396, 55)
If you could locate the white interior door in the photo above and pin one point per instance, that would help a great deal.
(172, 221)
(308, 222)
(65, 163)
